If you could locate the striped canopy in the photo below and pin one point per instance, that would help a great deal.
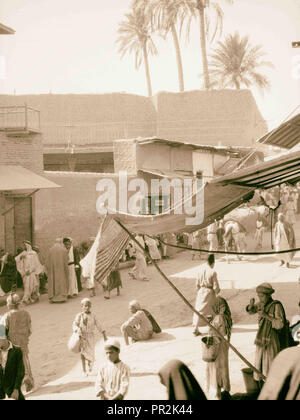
(285, 169)
(287, 135)
(220, 197)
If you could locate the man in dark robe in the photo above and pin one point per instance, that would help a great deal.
(8, 273)
(77, 267)
(12, 369)
(58, 273)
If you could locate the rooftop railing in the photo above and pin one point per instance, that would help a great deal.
(19, 119)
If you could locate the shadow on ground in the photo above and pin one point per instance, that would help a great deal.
(59, 389)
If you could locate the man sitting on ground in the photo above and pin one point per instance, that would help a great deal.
(140, 326)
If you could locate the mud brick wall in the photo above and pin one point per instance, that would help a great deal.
(223, 117)
(125, 156)
(227, 117)
(22, 151)
(67, 211)
(93, 119)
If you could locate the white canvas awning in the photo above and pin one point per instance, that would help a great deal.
(14, 178)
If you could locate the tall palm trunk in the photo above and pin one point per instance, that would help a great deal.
(146, 62)
(203, 46)
(237, 83)
(178, 58)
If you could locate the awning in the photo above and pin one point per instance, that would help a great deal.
(228, 167)
(287, 135)
(14, 178)
(165, 174)
(267, 174)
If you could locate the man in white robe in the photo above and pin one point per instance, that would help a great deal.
(73, 287)
(284, 238)
(32, 269)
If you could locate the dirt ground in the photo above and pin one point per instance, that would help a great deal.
(57, 370)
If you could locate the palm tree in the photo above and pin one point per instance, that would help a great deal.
(135, 36)
(203, 9)
(166, 13)
(235, 62)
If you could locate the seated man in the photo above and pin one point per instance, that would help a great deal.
(138, 327)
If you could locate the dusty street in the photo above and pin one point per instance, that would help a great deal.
(57, 371)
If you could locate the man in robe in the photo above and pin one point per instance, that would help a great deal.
(8, 274)
(212, 236)
(284, 238)
(32, 268)
(18, 329)
(73, 286)
(140, 326)
(139, 270)
(58, 273)
(271, 337)
(11, 368)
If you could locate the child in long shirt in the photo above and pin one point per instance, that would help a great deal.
(113, 376)
(85, 325)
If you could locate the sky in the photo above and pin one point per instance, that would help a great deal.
(68, 46)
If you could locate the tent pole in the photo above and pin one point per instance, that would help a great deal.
(191, 306)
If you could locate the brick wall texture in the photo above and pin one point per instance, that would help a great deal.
(67, 211)
(23, 151)
(229, 117)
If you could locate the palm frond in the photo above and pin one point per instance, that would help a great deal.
(235, 62)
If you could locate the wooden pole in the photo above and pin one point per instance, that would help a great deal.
(191, 306)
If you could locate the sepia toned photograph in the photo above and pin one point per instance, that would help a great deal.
(150, 202)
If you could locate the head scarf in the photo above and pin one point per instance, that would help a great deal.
(135, 304)
(265, 288)
(221, 307)
(180, 382)
(86, 300)
(13, 300)
(283, 381)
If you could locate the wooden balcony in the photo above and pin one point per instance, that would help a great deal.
(19, 121)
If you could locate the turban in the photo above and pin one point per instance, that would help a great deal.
(135, 304)
(13, 300)
(2, 332)
(265, 288)
(112, 342)
(85, 300)
(296, 333)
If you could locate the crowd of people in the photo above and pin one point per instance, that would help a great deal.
(274, 333)
(64, 277)
(113, 377)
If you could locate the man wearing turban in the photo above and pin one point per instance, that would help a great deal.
(271, 337)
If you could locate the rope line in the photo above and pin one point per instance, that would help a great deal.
(191, 306)
(286, 251)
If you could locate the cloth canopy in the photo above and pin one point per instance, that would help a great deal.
(14, 178)
(287, 135)
(221, 196)
(267, 174)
